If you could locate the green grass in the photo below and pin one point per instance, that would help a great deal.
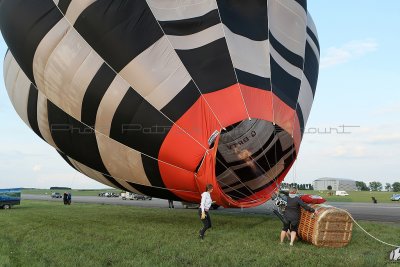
(355, 196)
(50, 234)
(74, 192)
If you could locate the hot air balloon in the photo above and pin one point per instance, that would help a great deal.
(162, 97)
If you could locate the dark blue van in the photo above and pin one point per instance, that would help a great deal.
(10, 197)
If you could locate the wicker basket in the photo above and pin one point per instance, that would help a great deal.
(331, 227)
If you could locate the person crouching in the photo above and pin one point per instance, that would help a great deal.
(292, 215)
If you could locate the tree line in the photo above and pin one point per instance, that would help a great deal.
(378, 186)
(361, 186)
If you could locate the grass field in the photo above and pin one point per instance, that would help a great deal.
(51, 234)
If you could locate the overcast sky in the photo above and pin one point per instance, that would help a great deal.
(358, 93)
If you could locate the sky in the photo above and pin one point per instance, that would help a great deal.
(353, 130)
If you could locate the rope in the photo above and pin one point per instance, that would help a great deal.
(191, 77)
(362, 228)
(237, 178)
(234, 70)
(119, 75)
(365, 231)
(230, 56)
(252, 192)
(244, 103)
(294, 170)
(270, 69)
(295, 167)
(205, 100)
(274, 178)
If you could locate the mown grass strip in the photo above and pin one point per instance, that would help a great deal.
(49, 234)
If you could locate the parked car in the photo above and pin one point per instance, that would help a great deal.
(395, 197)
(126, 195)
(142, 197)
(56, 195)
(341, 193)
(108, 194)
(9, 197)
(134, 196)
(189, 205)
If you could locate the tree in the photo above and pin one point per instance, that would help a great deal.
(396, 187)
(388, 187)
(375, 186)
(308, 187)
(284, 185)
(330, 190)
(361, 186)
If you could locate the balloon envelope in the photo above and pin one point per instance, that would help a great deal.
(162, 97)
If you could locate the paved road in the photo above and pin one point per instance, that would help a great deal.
(361, 211)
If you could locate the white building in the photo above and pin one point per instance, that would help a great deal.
(336, 183)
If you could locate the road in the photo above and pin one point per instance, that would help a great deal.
(360, 211)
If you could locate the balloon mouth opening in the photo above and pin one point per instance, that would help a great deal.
(252, 159)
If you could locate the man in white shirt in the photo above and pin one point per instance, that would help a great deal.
(205, 206)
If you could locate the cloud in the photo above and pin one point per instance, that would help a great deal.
(388, 109)
(340, 151)
(389, 138)
(347, 52)
(37, 168)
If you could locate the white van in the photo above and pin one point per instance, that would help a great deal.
(127, 196)
(341, 193)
